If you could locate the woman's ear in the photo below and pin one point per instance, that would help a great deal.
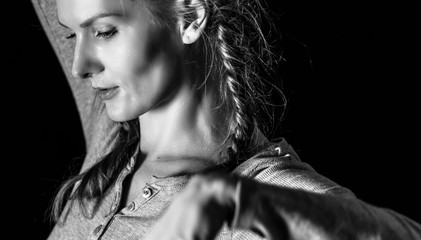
(191, 31)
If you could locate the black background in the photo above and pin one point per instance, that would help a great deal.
(351, 76)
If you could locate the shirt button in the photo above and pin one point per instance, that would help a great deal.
(97, 229)
(131, 207)
(147, 192)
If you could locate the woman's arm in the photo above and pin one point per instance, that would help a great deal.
(274, 212)
(99, 131)
(308, 215)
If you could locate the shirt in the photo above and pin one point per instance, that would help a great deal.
(278, 165)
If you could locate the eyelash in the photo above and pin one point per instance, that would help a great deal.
(98, 34)
(71, 36)
(106, 34)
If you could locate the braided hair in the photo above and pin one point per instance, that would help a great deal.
(243, 59)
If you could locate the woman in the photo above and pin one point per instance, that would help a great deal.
(188, 160)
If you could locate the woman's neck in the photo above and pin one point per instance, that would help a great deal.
(190, 125)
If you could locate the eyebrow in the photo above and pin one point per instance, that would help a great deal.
(91, 20)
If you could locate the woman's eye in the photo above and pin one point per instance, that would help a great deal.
(106, 34)
(71, 36)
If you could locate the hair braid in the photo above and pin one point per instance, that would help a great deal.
(243, 63)
(241, 119)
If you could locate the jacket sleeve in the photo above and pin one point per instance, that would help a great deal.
(99, 131)
(324, 211)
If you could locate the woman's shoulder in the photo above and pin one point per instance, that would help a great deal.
(278, 164)
(279, 154)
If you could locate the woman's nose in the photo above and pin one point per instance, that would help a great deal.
(85, 62)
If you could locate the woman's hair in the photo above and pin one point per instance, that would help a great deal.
(241, 56)
(238, 55)
(93, 183)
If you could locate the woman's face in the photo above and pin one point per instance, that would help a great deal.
(131, 61)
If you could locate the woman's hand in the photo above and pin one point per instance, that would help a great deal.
(199, 211)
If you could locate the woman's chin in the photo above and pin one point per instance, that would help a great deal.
(118, 114)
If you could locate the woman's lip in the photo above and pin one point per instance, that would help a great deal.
(106, 93)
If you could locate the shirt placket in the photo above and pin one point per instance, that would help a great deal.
(149, 191)
(109, 214)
